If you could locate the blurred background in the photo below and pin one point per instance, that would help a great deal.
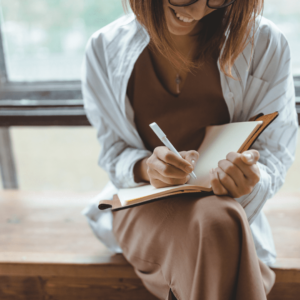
(45, 40)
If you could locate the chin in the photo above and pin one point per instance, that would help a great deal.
(178, 28)
(180, 31)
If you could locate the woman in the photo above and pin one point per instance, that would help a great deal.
(187, 64)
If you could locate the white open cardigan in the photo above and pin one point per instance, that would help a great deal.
(265, 84)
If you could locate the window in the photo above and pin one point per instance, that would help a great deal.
(44, 42)
(45, 39)
(286, 15)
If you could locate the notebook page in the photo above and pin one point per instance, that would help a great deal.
(147, 190)
(217, 143)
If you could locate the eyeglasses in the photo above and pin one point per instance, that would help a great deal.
(214, 4)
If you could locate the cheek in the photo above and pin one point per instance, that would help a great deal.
(208, 11)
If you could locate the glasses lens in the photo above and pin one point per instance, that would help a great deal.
(218, 3)
(182, 2)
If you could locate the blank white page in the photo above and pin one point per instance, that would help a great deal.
(217, 143)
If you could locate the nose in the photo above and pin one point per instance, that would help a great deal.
(196, 10)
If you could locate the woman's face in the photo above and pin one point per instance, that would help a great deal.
(190, 14)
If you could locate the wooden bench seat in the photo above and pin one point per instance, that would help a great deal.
(47, 251)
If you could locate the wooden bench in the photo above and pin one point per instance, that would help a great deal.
(48, 251)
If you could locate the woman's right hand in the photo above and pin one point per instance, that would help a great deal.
(164, 168)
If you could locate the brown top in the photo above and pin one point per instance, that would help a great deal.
(182, 117)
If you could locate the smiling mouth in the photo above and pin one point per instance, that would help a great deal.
(180, 17)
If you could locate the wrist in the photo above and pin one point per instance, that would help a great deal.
(140, 171)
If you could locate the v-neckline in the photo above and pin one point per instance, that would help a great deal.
(150, 60)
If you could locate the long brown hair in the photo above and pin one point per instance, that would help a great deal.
(230, 29)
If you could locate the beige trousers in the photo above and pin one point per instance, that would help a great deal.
(200, 247)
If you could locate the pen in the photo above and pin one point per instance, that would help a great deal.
(161, 135)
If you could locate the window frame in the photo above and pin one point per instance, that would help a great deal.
(50, 103)
(42, 103)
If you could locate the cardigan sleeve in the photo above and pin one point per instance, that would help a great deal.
(271, 88)
(116, 157)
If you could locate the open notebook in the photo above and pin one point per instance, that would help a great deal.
(218, 142)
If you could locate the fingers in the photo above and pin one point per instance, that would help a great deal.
(157, 183)
(229, 184)
(250, 157)
(233, 171)
(216, 185)
(167, 181)
(165, 169)
(191, 156)
(250, 171)
(165, 155)
(237, 174)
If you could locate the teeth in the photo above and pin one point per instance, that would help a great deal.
(184, 19)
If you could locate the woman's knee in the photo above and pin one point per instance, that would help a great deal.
(222, 212)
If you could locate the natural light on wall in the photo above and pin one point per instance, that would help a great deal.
(45, 39)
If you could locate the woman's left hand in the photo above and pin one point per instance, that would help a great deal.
(236, 175)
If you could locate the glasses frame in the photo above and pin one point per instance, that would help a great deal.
(192, 2)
